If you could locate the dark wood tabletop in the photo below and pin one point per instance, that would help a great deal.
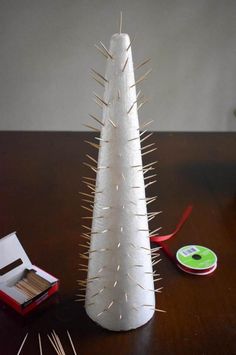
(41, 174)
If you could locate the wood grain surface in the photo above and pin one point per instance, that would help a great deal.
(40, 176)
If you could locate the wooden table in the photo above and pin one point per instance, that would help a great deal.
(39, 183)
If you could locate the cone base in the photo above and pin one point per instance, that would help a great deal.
(109, 323)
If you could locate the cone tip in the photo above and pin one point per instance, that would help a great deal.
(117, 36)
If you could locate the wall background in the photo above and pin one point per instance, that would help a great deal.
(47, 50)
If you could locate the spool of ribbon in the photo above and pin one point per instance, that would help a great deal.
(208, 259)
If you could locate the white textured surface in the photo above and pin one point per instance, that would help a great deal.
(120, 257)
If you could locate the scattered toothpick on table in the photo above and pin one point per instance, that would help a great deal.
(71, 343)
(40, 344)
(57, 345)
(22, 344)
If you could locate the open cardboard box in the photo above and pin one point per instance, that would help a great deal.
(14, 265)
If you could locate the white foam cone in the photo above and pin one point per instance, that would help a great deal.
(120, 290)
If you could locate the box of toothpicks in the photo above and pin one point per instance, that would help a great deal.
(23, 286)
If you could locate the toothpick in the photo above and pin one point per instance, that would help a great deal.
(98, 103)
(102, 232)
(86, 208)
(88, 201)
(137, 265)
(142, 133)
(91, 158)
(150, 183)
(120, 24)
(150, 164)
(158, 279)
(159, 310)
(98, 81)
(85, 194)
(52, 342)
(145, 124)
(148, 198)
(101, 51)
(97, 119)
(106, 50)
(100, 75)
(103, 167)
(132, 139)
(40, 344)
(97, 146)
(118, 94)
(26, 294)
(142, 63)
(141, 286)
(123, 69)
(149, 151)
(102, 140)
(132, 106)
(156, 262)
(56, 342)
(110, 304)
(126, 297)
(113, 124)
(141, 78)
(71, 343)
(155, 230)
(22, 344)
(147, 249)
(90, 166)
(91, 127)
(149, 135)
(100, 99)
(135, 308)
(159, 289)
(86, 227)
(151, 217)
(145, 171)
(149, 176)
(138, 94)
(90, 184)
(148, 146)
(99, 314)
(142, 103)
(88, 178)
(130, 43)
(91, 188)
(157, 248)
(154, 214)
(59, 343)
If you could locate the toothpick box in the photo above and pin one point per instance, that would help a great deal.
(14, 263)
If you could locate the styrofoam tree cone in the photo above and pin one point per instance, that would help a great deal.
(120, 290)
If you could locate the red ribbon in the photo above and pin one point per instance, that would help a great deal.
(161, 238)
